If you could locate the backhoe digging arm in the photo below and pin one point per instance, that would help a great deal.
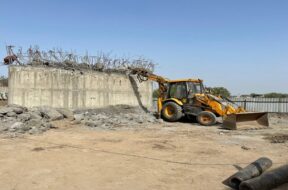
(144, 75)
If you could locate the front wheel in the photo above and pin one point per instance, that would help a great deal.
(206, 118)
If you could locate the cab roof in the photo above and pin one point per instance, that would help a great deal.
(185, 80)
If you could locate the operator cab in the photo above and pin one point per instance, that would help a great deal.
(185, 89)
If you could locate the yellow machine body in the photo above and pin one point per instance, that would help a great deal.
(234, 116)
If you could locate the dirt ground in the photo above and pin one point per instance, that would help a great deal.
(162, 156)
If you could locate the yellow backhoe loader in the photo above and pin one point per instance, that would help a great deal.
(188, 97)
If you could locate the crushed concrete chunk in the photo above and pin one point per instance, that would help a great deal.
(5, 110)
(115, 116)
(24, 117)
(50, 113)
(66, 113)
(11, 114)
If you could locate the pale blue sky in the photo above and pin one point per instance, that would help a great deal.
(239, 44)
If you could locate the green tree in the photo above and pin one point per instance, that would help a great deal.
(254, 95)
(219, 91)
(3, 81)
(275, 95)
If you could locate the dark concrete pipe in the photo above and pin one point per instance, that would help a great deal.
(252, 170)
(268, 180)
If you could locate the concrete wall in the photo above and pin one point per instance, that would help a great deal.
(36, 86)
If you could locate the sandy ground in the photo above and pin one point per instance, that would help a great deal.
(163, 156)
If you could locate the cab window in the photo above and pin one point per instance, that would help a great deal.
(178, 90)
(194, 88)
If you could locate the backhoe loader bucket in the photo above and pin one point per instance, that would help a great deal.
(248, 120)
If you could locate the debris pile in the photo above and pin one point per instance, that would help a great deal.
(114, 116)
(16, 119)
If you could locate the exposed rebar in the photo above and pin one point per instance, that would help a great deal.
(69, 60)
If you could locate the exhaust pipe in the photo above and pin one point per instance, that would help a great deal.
(246, 120)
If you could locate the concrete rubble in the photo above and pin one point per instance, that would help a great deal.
(17, 120)
(114, 116)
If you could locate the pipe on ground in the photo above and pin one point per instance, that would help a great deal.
(268, 180)
(254, 169)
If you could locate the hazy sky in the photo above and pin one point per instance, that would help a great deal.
(239, 44)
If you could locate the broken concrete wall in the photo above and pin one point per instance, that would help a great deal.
(37, 86)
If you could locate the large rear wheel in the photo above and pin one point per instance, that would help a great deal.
(206, 118)
(171, 111)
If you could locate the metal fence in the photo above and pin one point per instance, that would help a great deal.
(279, 105)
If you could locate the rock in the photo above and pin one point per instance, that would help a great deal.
(140, 120)
(66, 113)
(18, 110)
(35, 130)
(78, 117)
(151, 120)
(91, 123)
(35, 115)
(5, 110)
(159, 120)
(48, 125)
(11, 114)
(16, 126)
(3, 128)
(34, 123)
(26, 127)
(24, 117)
(245, 147)
(75, 122)
(35, 126)
(99, 117)
(10, 119)
(50, 113)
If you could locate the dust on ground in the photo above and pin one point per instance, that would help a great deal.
(278, 119)
(157, 156)
(277, 138)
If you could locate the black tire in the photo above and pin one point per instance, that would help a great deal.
(206, 118)
(174, 114)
